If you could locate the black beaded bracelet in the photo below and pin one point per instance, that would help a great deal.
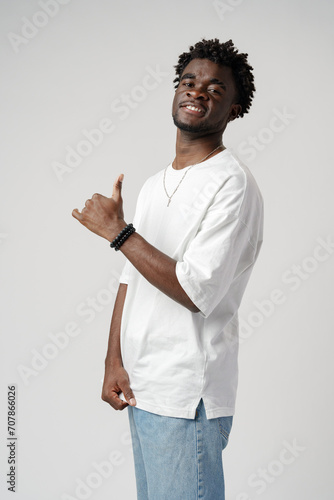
(119, 236)
(125, 237)
(122, 236)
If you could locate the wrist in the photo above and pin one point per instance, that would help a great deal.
(122, 236)
(113, 362)
(115, 229)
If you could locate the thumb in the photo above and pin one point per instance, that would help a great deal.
(128, 394)
(118, 187)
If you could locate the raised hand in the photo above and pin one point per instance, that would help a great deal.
(104, 216)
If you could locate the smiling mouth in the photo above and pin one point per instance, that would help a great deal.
(194, 109)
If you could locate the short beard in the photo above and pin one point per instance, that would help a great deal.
(202, 127)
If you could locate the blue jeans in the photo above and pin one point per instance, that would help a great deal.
(178, 458)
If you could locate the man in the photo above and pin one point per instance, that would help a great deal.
(196, 234)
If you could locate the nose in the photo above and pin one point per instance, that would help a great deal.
(197, 93)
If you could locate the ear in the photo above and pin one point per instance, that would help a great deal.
(234, 112)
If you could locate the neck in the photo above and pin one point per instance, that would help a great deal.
(190, 151)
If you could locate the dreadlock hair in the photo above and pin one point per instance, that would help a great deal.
(225, 54)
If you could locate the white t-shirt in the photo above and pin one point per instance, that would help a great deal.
(213, 229)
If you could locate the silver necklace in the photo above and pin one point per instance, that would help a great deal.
(177, 187)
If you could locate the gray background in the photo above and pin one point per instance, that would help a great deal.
(65, 76)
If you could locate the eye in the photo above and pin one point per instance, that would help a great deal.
(214, 91)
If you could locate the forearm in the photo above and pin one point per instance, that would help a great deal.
(105, 217)
(157, 267)
(114, 356)
(116, 378)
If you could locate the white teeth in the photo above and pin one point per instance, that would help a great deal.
(193, 108)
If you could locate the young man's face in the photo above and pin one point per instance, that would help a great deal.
(209, 88)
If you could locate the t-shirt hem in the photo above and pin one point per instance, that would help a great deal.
(166, 411)
(224, 411)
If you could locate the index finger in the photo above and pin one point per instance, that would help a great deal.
(116, 402)
(76, 214)
(111, 396)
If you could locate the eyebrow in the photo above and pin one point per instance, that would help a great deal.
(213, 80)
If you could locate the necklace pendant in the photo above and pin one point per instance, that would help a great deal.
(177, 187)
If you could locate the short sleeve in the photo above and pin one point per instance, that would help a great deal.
(219, 253)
